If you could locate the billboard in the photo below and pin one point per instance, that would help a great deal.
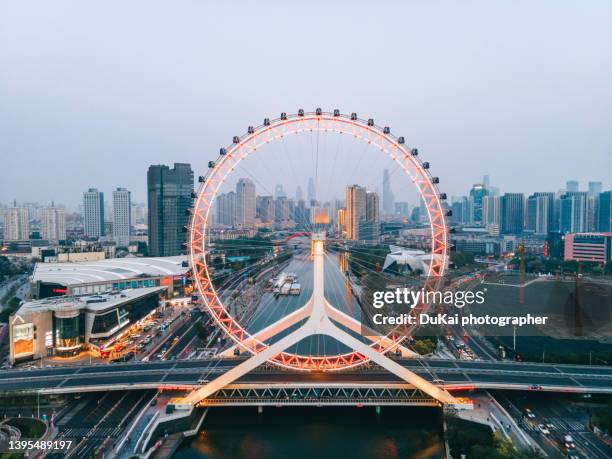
(23, 339)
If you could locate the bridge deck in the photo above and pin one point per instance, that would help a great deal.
(452, 374)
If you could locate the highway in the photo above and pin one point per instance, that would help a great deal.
(564, 416)
(452, 374)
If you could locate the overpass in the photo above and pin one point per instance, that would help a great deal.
(452, 375)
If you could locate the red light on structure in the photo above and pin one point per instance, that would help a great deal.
(59, 290)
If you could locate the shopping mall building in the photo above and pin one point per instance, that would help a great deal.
(85, 306)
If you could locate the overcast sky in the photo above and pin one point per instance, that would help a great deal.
(90, 95)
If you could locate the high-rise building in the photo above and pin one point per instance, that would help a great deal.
(573, 212)
(459, 207)
(93, 213)
(301, 213)
(169, 199)
(226, 209)
(279, 191)
(355, 210)
(571, 186)
(245, 203)
(299, 194)
(265, 209)
(604, 212)
(591, 212)
(122, 216)
(512, 212)
(53, 224)
(312, 193)
(16, 224)
(491, 210)
(477, 193)
(594, 188)
(402, 209)
(341, 221)
(539, 213)
(281, 212)
(369, 227)
(388, 198)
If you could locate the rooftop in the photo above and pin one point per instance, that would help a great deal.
(112, 269)
(94, 302)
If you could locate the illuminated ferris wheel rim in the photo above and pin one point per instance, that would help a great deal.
(274, 129)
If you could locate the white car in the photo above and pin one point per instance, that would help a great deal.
(544, 429)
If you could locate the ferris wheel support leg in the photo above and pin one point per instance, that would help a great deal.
(271, 330)
(354, 325)
(390, 365)
(248, 365)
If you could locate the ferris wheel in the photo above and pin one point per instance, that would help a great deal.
(271, 341)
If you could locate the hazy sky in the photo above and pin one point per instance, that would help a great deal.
(90, 95)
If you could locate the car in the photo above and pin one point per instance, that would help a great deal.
(550, 426)
(544, 429)
(529, 413)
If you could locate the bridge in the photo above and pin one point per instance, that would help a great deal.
(450, 375)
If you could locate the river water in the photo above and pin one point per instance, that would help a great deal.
(321, 433)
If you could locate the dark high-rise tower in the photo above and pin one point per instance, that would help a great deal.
(512, 213)
(604, 214)
(169, 195)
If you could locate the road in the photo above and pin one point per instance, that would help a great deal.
(97, 418)
(565, 414)
(454, 374)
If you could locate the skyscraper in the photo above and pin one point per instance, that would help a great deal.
(369, 227)
(299, 194)
(16, 224)
(312, 193)
(459, 207)
(226, 209)
(594, 188)
(604, 214)
(402, 209)
(571, 186)
(573, 212)
(279, 191)
(539, 213)
(388, 198)
(512, 206)
(355, 210)
(281, 212)
(265, 208)
(491, 210)
(169, 198)
(477, 193)
(93, 213)
(245, 203)
(122, 216)
(53, 224)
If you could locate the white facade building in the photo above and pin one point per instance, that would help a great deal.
(122, 216)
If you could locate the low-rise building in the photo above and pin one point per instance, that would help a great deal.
(58, 279)
(596, 247)
(65, 326)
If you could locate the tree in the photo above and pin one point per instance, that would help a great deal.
(201, 331)
(424, 346)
